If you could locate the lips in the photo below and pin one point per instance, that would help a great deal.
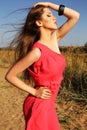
(55, 22)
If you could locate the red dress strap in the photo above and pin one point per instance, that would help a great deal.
(41, 47)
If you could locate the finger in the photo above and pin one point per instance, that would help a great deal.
(48, 91)
(47, 88)
(38, 3)
(46, 95)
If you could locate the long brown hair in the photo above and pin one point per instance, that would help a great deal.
(28, 34)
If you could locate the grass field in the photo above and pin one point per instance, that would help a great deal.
(71, 103)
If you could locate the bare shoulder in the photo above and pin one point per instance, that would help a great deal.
(35, 53)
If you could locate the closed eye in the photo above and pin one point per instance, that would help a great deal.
(48, 15)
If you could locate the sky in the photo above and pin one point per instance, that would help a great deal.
(76, 37)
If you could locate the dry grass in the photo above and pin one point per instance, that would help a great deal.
(7, 57)
(75, 76)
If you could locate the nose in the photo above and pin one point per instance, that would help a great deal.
(54, 18)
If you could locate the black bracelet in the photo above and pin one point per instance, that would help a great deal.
(61, 10)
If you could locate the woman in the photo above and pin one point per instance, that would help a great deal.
(39, 55)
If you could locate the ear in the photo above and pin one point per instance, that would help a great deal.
(39, 23)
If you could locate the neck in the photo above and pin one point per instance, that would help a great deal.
(45, 36)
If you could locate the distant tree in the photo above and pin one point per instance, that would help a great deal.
(85, 47)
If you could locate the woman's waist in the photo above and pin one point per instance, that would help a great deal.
(54, 88)
(48, 82)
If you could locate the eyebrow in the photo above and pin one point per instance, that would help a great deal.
(49, 12)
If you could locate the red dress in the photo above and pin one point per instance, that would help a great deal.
(40, 114)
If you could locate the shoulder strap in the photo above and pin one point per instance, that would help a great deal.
(38, 45)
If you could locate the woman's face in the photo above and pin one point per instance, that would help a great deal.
(48, 20)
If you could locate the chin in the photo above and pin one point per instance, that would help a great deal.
(54, 28)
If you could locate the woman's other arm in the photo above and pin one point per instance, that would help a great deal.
(20, 66)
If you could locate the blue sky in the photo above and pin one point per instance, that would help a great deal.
(77, 36)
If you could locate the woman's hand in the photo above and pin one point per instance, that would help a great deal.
(42, 3)
(43, 92)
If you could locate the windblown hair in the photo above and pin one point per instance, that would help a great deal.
(29, 34)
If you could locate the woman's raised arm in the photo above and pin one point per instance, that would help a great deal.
(71, 15)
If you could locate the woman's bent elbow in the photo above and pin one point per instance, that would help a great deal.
(77, 15)
(8, 77)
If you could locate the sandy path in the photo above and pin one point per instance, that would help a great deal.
(11, 101)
